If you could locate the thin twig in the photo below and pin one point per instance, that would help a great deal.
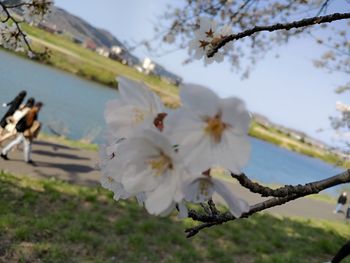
(287, 26)
(295, 192)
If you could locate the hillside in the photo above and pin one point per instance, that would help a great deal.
(78, 27)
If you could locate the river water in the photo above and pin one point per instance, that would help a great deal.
(75, 107)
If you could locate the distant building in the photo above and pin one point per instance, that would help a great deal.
(122, 55)
(78, 40)
(152, 68)
(90, 44)
(102, 51)
(117, 50)
(138, 68)
(48, 27)
(148, 66)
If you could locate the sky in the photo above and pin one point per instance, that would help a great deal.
(289, 90)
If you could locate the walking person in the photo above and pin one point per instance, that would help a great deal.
(27, 128)
(12, 121)
(341, 202)
(14, 105)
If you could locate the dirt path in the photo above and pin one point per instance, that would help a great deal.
(80, 167)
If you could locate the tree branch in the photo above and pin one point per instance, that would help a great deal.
(287, 26)
(284, 190)
(40, 55)
(287, 193)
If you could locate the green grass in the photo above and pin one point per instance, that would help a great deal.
(68, 142)
(53, 221)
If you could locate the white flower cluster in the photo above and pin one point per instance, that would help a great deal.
(342, 107)
(10, 37)
(36, 10)
(207, 36)
(164, 158)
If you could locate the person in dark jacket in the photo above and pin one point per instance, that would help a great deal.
(22, 126)
(10, 128)
(341, 202)
(14, 105)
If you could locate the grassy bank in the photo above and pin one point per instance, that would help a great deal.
(276, 137)
(52, 221)
(68, 142)
(74, 58)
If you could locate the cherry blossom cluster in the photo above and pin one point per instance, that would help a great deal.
(165, 158)
(37, 10)
(10, 37)
(342, 107)
(206, 37)
(11, 34)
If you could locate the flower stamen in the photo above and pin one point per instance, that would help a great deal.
(215, 127)
(138, 114)
(203, 188)
(160, 164)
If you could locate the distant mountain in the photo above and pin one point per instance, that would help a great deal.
(79, 28)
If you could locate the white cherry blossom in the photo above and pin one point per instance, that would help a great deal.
(206, 37)
(202, 189)
(37, 10)
(10, 37)
(210, 131)
(112, 170)
(152, 166)
(136, 107)
(342, 107)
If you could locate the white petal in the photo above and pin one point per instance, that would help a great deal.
(140, 182)
(236, 153)
(168, 210)
(218, 57)
(180, 125)
(206, 23)
(137, 150)
(111, 106)
(183, 211)
(198, 156)
(236, 205)
(159, 141)
(141, 197)
(199, 99)
(198, 191)
(138, 94)
(235, 113)
(119, 192)
(160, 200)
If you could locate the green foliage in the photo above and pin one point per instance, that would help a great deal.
(52, 221)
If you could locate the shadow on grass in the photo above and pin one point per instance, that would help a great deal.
(52, 221)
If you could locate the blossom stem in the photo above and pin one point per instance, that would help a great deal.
(287, 26)
(283, 195)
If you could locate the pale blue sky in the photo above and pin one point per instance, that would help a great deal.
(289, 90)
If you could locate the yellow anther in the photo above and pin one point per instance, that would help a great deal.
(215, 127)
(139, 115)
(204, 187)
(160, 164)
